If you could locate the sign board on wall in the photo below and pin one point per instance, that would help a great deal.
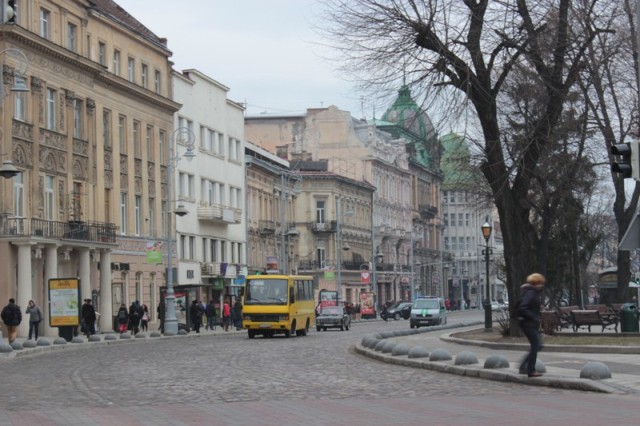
(64, 302)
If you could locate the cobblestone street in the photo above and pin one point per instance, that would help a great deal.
(151, 380)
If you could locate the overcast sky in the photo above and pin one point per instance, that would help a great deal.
(263, 50)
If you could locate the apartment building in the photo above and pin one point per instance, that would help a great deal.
(211, 236)
(89, 140)
(399, 155)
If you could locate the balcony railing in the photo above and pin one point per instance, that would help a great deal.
(219, 213)
(98, 232)
(324, 227)
(267, 227)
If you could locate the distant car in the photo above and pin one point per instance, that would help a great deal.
(496, 306)
(333, 317)
(428, 311)
(400, 310)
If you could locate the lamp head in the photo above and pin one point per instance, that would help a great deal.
(180, 210)
(189, 155)
(346, 247)
(486, 229)
(19, 85)
(8, 170)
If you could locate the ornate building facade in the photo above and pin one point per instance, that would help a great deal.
(89, 140)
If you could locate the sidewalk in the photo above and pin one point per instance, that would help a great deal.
(563, 364)
(49, 343)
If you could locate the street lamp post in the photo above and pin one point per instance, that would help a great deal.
(182, 136)
(486, 233)
(8, 170)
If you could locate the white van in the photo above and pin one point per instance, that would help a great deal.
(428, 311)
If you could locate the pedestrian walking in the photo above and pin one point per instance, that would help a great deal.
(237, 315)
(210, 312)
(385, 313)
(160, 310)
(226, 315)
(88, 318)
(135, 315)
(144, 321)
(528, 313)
(196, 313)
(12, 317)
(123, 318)
(35, 316)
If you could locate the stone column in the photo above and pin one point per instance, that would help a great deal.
(24, 285)
(84, 263)
(106, 308)
(50, 272)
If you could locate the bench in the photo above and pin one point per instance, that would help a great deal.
(587, 318)
(566, 320)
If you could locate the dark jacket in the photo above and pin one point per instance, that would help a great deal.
(88, 313)
(210, 311)
(529, 305)
(122, 315)
(136, 311)
(11, 314)
(196, 313)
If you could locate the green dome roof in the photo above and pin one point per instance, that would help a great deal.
(456, 164)
(416, 127)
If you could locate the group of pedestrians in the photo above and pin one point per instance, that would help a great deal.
(135, 318)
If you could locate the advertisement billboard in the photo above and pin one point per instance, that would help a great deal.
(64, 302)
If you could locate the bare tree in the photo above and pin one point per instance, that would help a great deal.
(469, 50)
(610, 84)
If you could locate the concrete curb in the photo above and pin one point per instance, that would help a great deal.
(477, 370)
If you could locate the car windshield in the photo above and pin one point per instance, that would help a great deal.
(331, 311)
(426, 304)
(266, 292)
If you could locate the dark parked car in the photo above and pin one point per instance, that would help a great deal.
(333, 317)
(400, 310)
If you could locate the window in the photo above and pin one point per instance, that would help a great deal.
(20, 106)
(77, 118)
(208, 192)
(192, 247)
(220, 149)
(460, 219)
(48, 198)
(150, 143)
(145, 76)
(214, 250)
(18, 198)
(107, 205)
(186, 184)
(137, 151)
(51, 109)
(102, 53)
(320, 212)
(138, 214)
(44, 23)
(156, 82)
(106, 128)
(131, 69)
(116, 62)
(223, 251)
(123, 213)
(122, 131)
(161, 145)
(72, 37)
(321, 257)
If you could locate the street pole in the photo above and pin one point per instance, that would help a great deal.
(412, 280)
(186, 137)
(338, 249)
(486, 233)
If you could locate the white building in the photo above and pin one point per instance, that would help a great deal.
(465, 208)
(211, 237)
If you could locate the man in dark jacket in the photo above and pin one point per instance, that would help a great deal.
(136, 311)
(12, 317)
(528, 313)
(88, 317)
(196, 312)
(210, 312)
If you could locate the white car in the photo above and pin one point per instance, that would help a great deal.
(495, 306)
